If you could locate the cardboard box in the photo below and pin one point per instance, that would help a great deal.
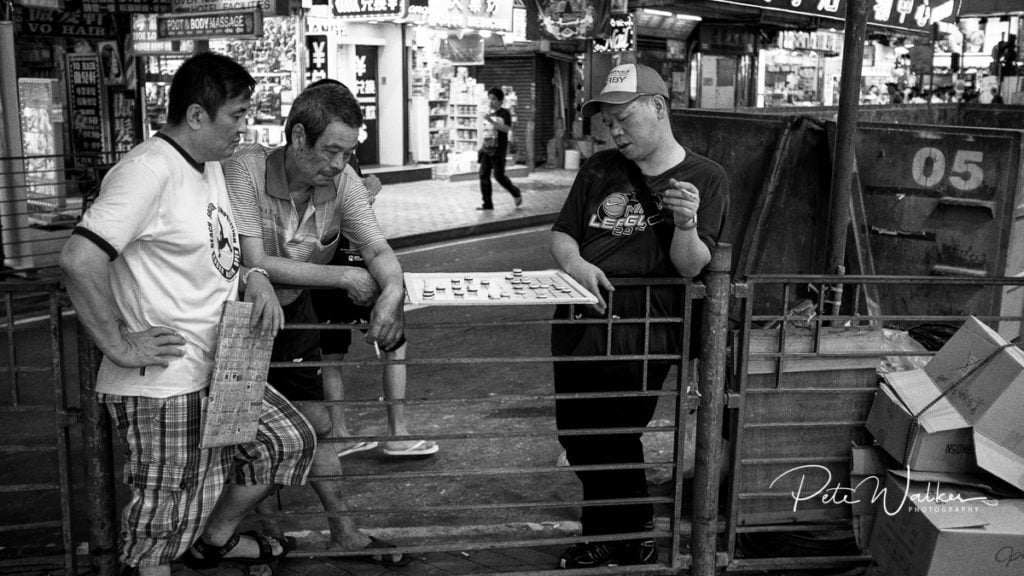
(938, 441)
(939, 529)
(990, 398)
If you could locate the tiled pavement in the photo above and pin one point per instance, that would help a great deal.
(433, 210)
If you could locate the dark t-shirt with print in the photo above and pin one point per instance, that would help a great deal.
(506, 117)
(606, 217)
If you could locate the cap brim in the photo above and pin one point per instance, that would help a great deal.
(592, 107)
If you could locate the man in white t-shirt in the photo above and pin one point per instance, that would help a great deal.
(149, 269)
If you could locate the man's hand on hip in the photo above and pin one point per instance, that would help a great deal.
(155, 346)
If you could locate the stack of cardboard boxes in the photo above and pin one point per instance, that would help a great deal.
(956, 429)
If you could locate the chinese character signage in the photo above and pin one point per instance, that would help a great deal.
(35, 22)
(316, 57)
(582, 19)
(269, 7)
(145, 42)
(121, 6)
(368, 9)
(366, 94)
(493, 15)
(908, 15)
(241, 24)
(86, 103)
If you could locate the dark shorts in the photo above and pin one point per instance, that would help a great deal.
(294, 345)
(335, 307)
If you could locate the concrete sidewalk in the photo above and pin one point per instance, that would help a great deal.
(428, 211)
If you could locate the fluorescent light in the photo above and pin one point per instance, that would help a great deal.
(689, 17)
(653, 12)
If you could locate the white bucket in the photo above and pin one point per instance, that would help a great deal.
(572, 159)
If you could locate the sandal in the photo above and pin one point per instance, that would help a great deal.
(213, 556)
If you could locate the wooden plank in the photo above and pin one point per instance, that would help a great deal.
(800, 342)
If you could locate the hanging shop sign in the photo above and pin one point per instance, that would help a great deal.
(227, 24)
(583, 19)
(144, 40)
(122, 122)
(86, 103)
(622, 37)
(50, 23)
(269, 7)
(316, 57)
(906, 15)
(369, 9)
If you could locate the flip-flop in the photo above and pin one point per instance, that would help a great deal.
(382, 557)
(357, 447)
(419, 448)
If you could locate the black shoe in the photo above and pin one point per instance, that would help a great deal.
(586, 555)
(636, 552)
(485, 207)
(518, 201)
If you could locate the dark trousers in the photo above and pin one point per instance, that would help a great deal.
(497, 164)
(596, 413)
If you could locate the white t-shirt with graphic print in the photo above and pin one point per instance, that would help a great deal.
(177, 262)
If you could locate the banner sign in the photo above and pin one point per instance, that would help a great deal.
(122, 122)
(269, 7)
(36, 22)
(583, 19)
(495, 15)
(241, 24)
(906, 15)
(316, 57)
(85, 102)
(369, 9)
(145, 42)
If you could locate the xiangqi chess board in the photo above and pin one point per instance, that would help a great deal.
(495, 288)
(239, 378)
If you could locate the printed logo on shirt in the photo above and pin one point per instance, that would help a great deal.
(620, 213)
(223, 241)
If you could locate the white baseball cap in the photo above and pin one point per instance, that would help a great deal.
(625, 83)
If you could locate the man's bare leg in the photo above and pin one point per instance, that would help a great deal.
(394, 389)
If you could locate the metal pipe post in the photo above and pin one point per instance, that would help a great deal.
(99, 463)
(846, 132)
(708, 457)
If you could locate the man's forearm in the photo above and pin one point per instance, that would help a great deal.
(688, 253)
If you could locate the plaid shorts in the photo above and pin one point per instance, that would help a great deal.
(174, 484)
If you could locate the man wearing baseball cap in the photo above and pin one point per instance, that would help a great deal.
(647, 208)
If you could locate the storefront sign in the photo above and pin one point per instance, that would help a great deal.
(120, 6)
(327, 26)
(240, 24)
(366, 95)
(86, 103)
(45, 4)
(819, 41)
(144, 40)
(316, 57)
(269, 7)
(369, 9)
(35, 22)
(621, 38)
(907, 15)
(726, 39)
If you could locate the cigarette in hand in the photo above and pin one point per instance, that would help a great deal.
(376, 349)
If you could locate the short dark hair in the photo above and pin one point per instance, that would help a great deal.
(318, 106)
(208, 79)
(497, 93)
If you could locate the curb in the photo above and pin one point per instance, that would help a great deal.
(460, 232)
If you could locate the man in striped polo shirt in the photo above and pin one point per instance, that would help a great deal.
(292, 205)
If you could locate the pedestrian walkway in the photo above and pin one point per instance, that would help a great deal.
(428, 211)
